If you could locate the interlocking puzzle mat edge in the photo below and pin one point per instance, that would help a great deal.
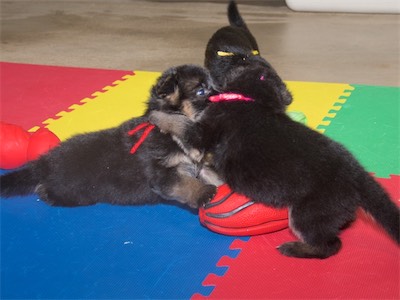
(315, 100)
(40, 236)
(250, 286)
(105, 109)
(31, 93)
(330, 110)
(366, 267)
(319, 102)
(368, 125)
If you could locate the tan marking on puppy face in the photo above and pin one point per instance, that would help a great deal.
(173, 98)
(190, 84)
(188, 109)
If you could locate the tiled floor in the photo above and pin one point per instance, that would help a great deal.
(153, 35)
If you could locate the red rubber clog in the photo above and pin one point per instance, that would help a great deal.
(230, 213)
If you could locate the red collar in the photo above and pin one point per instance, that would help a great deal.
(147, 129)
(229, 97)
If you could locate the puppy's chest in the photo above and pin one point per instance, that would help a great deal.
(241, 131)
(183, 164)
(233, 126)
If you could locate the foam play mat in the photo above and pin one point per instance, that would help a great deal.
(162, 251)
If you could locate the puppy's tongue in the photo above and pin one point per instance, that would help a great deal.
(229, 97)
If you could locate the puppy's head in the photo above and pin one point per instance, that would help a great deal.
(230, 46)
(235, 64)
(258, 80)
(184, 89)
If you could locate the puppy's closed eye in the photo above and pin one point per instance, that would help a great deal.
(226, 53)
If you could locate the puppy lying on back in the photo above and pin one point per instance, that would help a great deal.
(98, 167)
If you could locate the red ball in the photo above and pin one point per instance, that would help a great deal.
(230, 213)
(13, 145)
(41, 142)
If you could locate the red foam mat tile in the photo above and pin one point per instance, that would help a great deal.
(32, 93)
(368, 266)
(392, 186)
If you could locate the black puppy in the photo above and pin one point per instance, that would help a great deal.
(232, 47)
(99, 167)
(261, 153)
(229, 45)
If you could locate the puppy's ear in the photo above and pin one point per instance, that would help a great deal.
(280, 89)
(168, 89)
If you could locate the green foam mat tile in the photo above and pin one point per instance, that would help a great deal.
(368, 125)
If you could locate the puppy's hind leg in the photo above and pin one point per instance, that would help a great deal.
(68, 199)
(318, 236)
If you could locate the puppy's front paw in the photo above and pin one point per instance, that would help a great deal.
(195, 154)
(207, 194)
(157, 118)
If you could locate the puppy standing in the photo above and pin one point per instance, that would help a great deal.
(261, 153)
(98, 167)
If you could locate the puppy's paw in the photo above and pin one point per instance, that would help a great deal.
(158, 119)
(290, 249)
(207, 194)
(304, 250)
(175, 124)
(195, 154)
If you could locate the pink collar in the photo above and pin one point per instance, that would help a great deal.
(229, 97)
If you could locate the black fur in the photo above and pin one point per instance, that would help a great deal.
(261, 153)
(98, 167)
(238, 40)
(235, 39)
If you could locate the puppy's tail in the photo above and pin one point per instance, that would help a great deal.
(18, 183)
(234, 17)
(376, 202)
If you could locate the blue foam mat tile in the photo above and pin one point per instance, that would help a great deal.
(104, 251)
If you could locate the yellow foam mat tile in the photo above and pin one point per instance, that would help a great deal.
(115, 104)
(127, 98)
(318, 100)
